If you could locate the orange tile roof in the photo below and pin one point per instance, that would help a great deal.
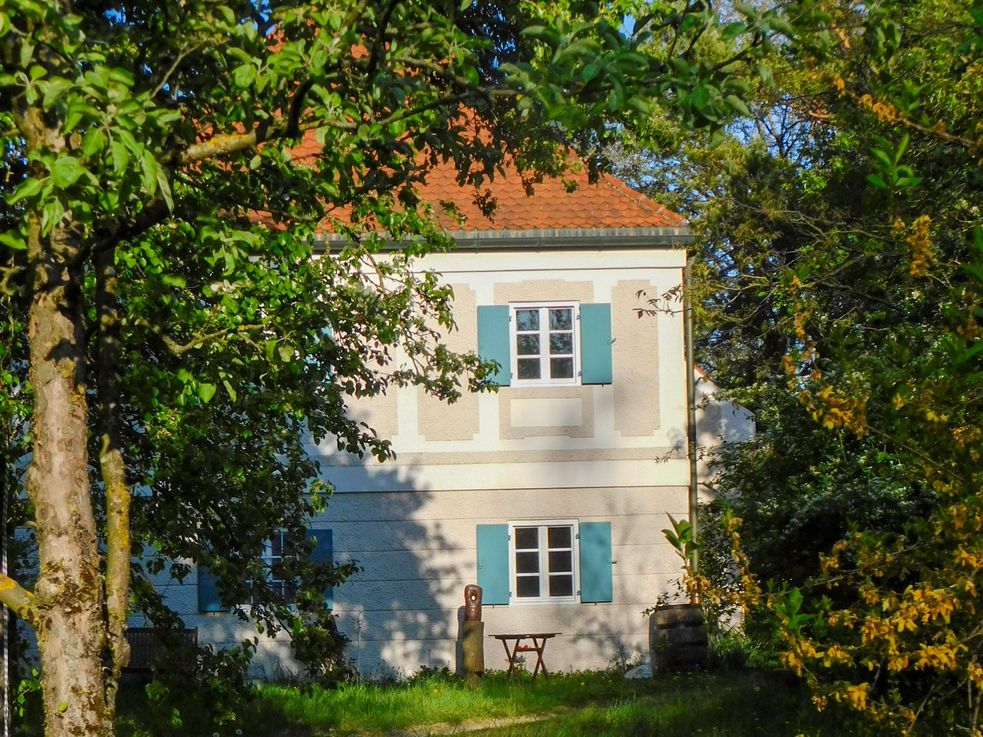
(567, 202)
(570, 201)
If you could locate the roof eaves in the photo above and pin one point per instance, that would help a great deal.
(647, 237)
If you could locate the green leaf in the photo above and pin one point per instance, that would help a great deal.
(590, 71)
(882, 157)
(13, 239)
(120, 156)
(902, 147)
(286, 352)
(94, 142)
(206, 392)
(700, 97)
(163, 182)
(243, 75)
(53, 91)
(877, 180)
(51, 214)
(27, 188)
(123, 76)
(66, 171)
(151, 172)
(738, 104)
(777, 23)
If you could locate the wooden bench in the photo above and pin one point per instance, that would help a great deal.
(147, 642)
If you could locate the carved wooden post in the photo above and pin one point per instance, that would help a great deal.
(473, 636)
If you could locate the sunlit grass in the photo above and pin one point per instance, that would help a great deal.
(577, 705)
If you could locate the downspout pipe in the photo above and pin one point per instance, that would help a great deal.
(691, 412)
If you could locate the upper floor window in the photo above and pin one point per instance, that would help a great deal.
(545, 345)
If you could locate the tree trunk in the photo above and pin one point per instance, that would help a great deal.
(69, 620)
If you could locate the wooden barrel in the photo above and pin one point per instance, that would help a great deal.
(679, 638)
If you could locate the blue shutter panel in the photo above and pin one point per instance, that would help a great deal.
(493, 563)
(209, 599)
(595, 562)
(493, 341)
(595, 344)
(323, 552)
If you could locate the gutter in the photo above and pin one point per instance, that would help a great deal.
(694, 499)
(546, 238)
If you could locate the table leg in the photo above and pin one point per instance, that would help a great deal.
(510, 655)
(540, 665)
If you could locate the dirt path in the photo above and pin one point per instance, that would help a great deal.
(471, 725)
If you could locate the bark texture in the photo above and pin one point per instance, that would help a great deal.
(68, 603)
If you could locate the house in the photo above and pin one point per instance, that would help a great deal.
(550, 493)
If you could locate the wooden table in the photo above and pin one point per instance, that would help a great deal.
(538, 639)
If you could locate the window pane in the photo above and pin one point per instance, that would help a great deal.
(561, 319)
(561, 343)
(561, 562)
(560, 368)
(527, 586)
(528, 368)
(527, 562)
(527, 345)
(277, 544)
(561, 585)
(527, 320)
(526, 538)
(559, 537)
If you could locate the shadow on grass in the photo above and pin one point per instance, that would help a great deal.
(574, 705)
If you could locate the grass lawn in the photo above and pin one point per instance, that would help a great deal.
(738, 704)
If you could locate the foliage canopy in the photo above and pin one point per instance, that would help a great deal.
(843, 245)
(169, 341)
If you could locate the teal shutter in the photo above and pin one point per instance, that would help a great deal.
(493, 341)
(209, 599)
(595, 344)
(323, 552)
(493, 563)
(595, 562)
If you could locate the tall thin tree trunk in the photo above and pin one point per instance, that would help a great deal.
(113, 468)
(69, 623)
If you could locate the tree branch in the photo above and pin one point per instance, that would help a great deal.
(18, 599)
(179, 349)
(379, 46)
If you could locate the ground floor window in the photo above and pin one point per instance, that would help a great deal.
(272, 558)
(545, 561)
(543, 556)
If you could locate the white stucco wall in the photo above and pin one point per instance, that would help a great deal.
(610, 453)
(417, 552)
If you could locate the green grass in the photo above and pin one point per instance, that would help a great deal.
(589, 704)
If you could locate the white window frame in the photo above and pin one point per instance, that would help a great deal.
(574, 597)
(544, 355)
(269, 560)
